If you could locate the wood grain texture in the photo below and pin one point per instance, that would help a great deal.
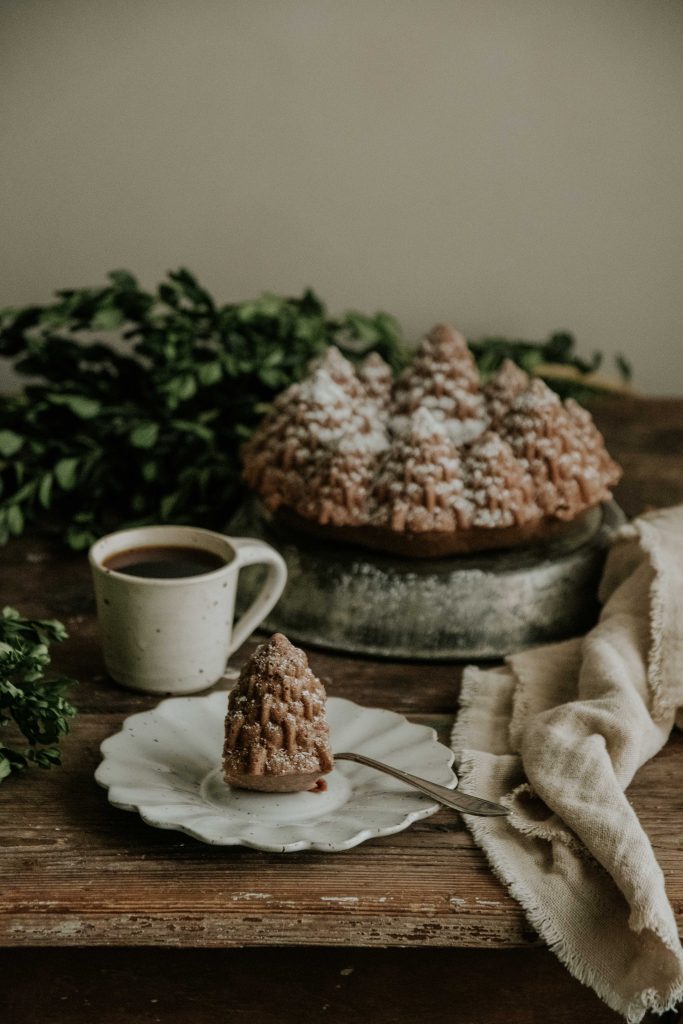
(74, 871)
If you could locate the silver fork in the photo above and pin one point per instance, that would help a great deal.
(465, 803)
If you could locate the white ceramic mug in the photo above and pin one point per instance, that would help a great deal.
(176, 635)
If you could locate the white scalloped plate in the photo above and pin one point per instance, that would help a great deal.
(165, 764)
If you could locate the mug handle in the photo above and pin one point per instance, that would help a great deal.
(256, 552)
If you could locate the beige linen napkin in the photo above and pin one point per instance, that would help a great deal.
(558, 734)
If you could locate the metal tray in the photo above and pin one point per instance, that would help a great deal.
(349, 599)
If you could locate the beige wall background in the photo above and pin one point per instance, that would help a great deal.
(514, 166)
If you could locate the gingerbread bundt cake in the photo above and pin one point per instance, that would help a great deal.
(431, 464)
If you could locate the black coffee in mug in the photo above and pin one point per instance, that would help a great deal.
(164, 562)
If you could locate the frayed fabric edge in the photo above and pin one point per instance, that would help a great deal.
(466, 701)
(648, 538)
(634, 1011)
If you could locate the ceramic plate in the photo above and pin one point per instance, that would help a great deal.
(165, 764)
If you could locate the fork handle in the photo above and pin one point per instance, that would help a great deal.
(455, 799)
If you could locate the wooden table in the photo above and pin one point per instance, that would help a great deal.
(81, 884)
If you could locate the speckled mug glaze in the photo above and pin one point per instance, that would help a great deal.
(176, 635)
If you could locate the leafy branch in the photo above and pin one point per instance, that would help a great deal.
(37, 706)
(147, 427)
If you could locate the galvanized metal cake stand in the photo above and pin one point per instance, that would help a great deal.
(358, 601)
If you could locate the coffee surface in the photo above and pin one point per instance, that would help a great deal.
(164, 562)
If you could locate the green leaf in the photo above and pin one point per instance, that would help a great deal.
(45, 490)
(107, 319)
(530, 360)
(46, 757)
(185, 387)
(65, 473)
(362, 327)
(197, 429)
(123, 280)
(271, 377)
(209, 373)
(167, 504)
(145, 435)
(624, 367)
(267, 306)
(79, 539)
(559, 347)
(15, 520)
(84, 408)
(10, 443)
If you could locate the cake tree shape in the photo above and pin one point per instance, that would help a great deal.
(498, 487)
(368, 385)
(420, 485)
(276, 733)
(339, 488)
(565, 459)
(502, 389)
(585, 426)
(342, 372)
(377, 376)
(316, 452)
(443, 378)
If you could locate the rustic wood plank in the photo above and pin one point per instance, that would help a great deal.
(646, 438)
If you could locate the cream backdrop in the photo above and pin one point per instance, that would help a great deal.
(513, 166)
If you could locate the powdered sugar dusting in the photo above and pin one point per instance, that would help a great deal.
(431, 452)
(506, 384)
(419, 485)
(444, 379)
(563, 454)
(500, 490)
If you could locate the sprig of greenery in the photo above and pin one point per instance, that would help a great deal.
(36, 705)
(137, 402)
(147, 429)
